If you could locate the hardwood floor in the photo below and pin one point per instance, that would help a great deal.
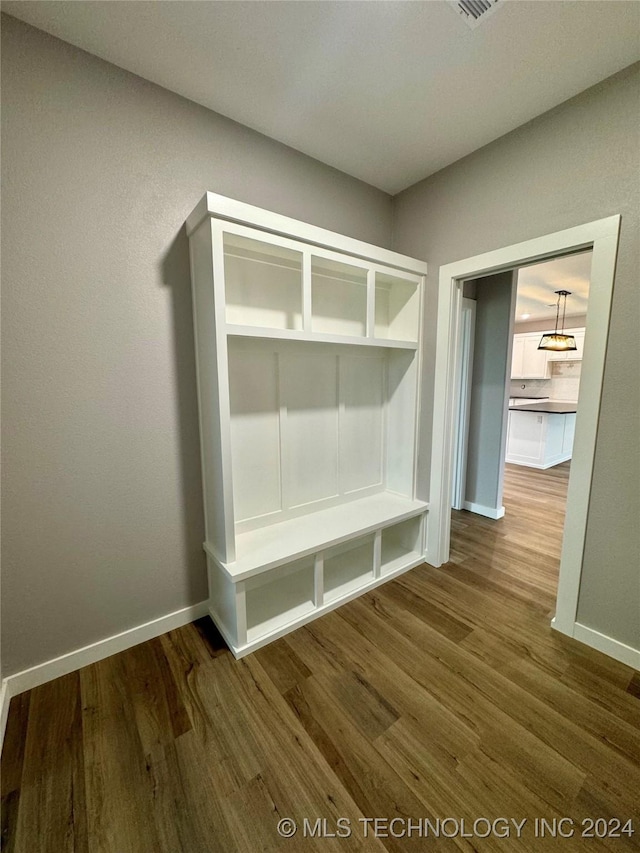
(443, 694)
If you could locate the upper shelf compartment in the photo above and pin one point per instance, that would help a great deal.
(338, 298)
(397, 307)
(263, 283)
(276, 287)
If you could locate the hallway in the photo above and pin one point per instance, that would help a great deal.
(522, 550)
(443, 694)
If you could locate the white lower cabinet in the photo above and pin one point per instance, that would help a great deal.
(539, 439)
(568, 435)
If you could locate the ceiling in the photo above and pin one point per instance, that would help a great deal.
(388, 92)
(537, 285)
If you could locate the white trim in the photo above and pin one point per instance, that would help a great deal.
(47, 671)
(221, 401)
(602, 237)
(270, 547)
(212, 204)
(603, 262)
(5, 701)
(463, 403)
(418, 391)
(235, 330)
(487, 511)
(446, 369)
(603, 643)
(518, 460)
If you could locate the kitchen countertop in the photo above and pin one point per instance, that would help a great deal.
(549, 408)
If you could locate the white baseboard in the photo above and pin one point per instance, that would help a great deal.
(5, 699)
(601, 642)
(607, 645)
(47, 671)
(520, 460)
(487, 511)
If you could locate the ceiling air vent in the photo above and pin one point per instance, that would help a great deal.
(474, 12)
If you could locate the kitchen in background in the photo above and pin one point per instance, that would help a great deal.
(545, 385)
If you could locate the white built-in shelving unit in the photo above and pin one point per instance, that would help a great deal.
(308, 349)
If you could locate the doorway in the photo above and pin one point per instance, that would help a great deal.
(516, 403)
(602, 237)
(551, 296)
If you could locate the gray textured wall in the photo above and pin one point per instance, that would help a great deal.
(495, 296)
(574, 164)
(102, 509)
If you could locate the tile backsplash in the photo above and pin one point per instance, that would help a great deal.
(563, 385)
(565, 380)
(530, 388)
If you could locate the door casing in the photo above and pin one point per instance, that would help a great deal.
(601, 236)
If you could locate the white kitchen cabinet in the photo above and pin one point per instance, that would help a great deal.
(539, 439)
(527, 361)
(308, 347)
(568, 434)
(517, 357)
(571, 355)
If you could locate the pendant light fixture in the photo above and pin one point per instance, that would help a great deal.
(557, 341)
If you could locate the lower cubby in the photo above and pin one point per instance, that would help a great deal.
(279, 597)
(347, 567)
(401, 543)
(251, 611)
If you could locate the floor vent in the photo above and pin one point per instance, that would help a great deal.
(474, 12)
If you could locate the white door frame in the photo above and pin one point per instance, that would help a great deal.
(463, 401)
(602, 237)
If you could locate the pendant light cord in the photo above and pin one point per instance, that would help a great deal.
(561, 294)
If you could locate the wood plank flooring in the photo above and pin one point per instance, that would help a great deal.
(442, 695)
